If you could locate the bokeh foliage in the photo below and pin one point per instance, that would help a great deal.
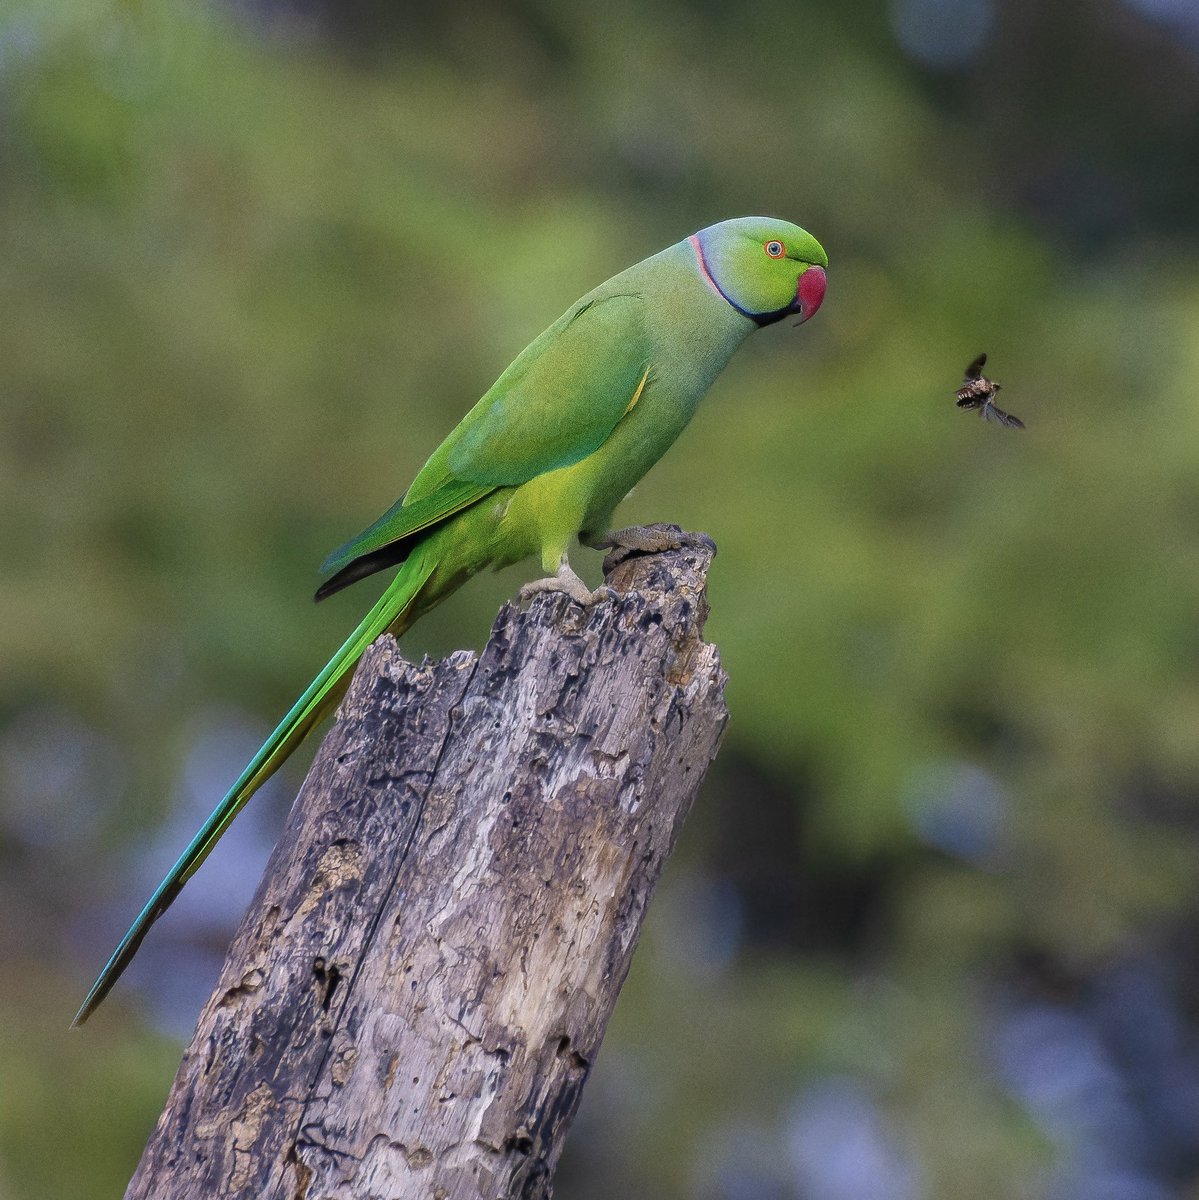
(254, 263)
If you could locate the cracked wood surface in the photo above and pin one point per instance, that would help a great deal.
(418, 990)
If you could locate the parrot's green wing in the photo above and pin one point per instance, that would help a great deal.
(555, 405)
(559, 401)
(389, 539)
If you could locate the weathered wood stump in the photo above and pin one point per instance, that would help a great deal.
(420, 985)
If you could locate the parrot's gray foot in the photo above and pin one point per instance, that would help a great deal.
(649, 539)
(567, 581)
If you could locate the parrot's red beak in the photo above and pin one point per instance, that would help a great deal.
(809, 293)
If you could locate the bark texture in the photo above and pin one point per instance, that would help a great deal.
(415, 997)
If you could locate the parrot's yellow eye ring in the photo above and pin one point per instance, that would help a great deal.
(775, 249)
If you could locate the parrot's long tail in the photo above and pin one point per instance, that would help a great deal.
(321, 696)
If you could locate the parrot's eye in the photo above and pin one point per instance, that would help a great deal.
(775, 249)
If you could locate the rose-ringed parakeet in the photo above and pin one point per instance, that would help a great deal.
(544, 457)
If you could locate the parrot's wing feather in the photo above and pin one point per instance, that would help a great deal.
(391, 535)
(556, 404)
(559, 401)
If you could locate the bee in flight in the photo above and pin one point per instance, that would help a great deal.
(977, 391)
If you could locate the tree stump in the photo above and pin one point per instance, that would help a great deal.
(418, 990)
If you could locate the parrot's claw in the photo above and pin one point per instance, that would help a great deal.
(567, 581)
(649, 539)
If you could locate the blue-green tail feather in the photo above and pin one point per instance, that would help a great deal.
(321, 695)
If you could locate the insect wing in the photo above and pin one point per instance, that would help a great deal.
(975, 369)
(992, 412)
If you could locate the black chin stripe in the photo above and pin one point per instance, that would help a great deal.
(761, 320)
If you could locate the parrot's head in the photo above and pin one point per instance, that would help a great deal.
(765, 268)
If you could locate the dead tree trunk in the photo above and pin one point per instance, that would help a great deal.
(417, 992)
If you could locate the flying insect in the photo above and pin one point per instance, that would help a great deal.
(977, 391)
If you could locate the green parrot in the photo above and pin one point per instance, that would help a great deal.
(544, 457)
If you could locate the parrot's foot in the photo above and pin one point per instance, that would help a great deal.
(567, 581)
(649, 539)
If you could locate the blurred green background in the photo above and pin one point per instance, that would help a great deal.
(932, 929)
